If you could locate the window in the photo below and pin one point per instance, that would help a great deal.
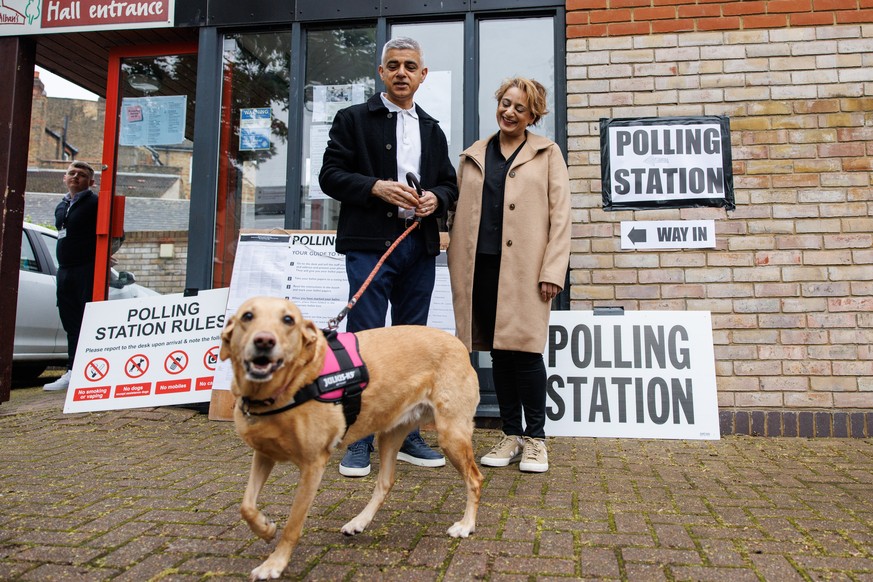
(340, 71)
(271, 149)
(29, 261)
(515, 47)
(253, 141)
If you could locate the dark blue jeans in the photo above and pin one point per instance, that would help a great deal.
(406, 280)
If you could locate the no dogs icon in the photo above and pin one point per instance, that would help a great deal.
(136, 366)
(176, 362)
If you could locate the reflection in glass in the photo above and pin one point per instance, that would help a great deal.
(442, 93)
(252, 141)
(153, 156)
(515, 47)
(340, 71)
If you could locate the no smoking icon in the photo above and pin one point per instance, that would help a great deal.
(176, 362)
(96, 369)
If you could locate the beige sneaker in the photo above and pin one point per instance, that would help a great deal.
(534, 457)
(508, 450)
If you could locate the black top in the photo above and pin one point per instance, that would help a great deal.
(78, 220)
(361, 150)
(491, 223)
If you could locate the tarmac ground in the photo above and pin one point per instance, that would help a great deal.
(153, 495)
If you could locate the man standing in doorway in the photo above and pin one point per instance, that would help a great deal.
(76, 221)
(371, 149)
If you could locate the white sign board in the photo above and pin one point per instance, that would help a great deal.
(303, 266)
(645, 374)
(670, 162)
(147, 121)
(148, 351)
(668, 234)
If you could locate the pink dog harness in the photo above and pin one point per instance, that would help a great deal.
(342, 380)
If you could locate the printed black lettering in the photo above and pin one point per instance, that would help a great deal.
(554, 383)
(599, 401)
(557, 341)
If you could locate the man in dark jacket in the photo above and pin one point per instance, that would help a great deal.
(371, 149)
(76, 221)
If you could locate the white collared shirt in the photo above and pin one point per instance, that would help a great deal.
(408, 144)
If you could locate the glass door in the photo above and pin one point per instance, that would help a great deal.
(146, 179)
(253, 141)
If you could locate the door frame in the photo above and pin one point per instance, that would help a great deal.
(110, 209)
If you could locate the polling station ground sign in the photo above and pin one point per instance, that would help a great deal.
(666, 162)
(644, 374)
(148, 351)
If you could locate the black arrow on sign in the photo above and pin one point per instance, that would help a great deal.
(637, 235)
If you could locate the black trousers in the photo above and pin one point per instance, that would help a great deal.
(519, 377)
(75, 289)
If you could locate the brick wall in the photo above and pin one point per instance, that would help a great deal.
(140, 254)
(790, 284)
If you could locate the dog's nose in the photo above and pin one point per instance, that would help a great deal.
(264, 341)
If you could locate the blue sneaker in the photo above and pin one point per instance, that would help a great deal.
(356, 461)
(416, 451)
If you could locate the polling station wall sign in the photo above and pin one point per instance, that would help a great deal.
(666, 162)
(644, 374)
(148, 351)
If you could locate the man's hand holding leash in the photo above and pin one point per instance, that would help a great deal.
(404, 196)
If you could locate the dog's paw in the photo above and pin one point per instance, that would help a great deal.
(355, 526)
(269, 570)
(460, 530)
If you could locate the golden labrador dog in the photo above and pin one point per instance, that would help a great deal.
(417, 375)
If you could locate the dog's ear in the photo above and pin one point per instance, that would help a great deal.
(310, 332)
(226, 334)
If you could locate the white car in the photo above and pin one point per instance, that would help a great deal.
(40, 340)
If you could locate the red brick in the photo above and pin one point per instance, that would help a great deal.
(663, 26)
(767, 21)
(585, 5)
(600, 16)
(854, 16)
(577, 18)
(812, 19)
(740, 8)
(823, 5)
(731, 23)
(699, 11)
(628, 3)
(586, 31)
(629, 28)
(660, 13)
(776, 6)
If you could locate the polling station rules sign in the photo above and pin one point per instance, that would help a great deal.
(644, 374)
(666, 162)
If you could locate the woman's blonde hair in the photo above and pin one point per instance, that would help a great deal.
(533, 90)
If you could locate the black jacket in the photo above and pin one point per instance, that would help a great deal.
(362, 150)
(79, 246)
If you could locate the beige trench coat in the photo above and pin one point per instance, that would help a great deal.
(535, 246)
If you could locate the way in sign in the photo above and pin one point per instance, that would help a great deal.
(668, 234)
(680, 233)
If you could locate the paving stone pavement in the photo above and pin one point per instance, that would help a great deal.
(153, 495)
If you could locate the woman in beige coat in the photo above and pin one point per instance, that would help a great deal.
(508, 257)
